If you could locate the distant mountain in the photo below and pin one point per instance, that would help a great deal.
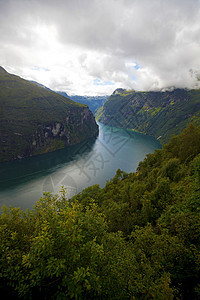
(35, 120)
(160, 114)
(93, 102)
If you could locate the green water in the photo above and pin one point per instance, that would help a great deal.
(23, 182)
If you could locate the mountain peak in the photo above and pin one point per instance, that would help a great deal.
(2, 70)
(119, 91)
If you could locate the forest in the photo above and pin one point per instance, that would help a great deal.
(136, 238)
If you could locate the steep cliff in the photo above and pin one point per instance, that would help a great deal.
(160, 114)
(35, 120)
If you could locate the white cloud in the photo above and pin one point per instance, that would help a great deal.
(130, 43)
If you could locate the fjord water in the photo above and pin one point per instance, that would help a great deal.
(24, 181)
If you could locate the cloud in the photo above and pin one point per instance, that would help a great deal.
(145, 45)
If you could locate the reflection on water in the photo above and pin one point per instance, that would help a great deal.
(22, 171)
(92, 162)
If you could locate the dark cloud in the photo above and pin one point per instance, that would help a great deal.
(103, 39)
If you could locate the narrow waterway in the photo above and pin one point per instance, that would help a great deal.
(23, 182)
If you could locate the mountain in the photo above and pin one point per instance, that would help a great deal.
(41, 85)
(93, 102)
(35, 120)
(160, 114)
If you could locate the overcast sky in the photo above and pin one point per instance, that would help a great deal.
(92, 47)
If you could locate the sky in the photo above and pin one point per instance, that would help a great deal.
(92, 47)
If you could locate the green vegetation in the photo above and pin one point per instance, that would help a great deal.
(136, 238)
(93, 102)
(53, 145)
(160, 114)
(126, 92)
(29, 115)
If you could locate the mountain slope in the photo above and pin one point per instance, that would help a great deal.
(93, 102)
(35, 120)
(160, 114)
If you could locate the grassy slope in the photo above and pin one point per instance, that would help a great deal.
(155, 113)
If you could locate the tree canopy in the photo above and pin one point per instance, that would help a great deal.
(136, 238)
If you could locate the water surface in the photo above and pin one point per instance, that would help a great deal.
(24, 181)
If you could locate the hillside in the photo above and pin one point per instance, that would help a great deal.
(136, 238)
(160, 114)
(35, 120)
(93, 102)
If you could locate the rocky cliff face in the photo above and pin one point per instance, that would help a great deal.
(36, 121)
(160, 114)
(49, 137)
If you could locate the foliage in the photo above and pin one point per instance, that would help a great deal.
(160, 114)
(136, 238)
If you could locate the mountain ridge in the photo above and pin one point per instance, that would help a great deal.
(93, 102)
(157, 113)
(2, 70)
(35, 120)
